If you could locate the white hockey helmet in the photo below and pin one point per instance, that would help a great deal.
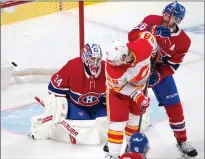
(117, 54)
(92, 57)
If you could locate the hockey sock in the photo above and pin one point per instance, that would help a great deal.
(129, 130)
(115, 140)
(176, 121)
(115, 137)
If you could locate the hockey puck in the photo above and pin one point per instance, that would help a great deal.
(13, 63)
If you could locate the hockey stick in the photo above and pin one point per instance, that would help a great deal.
(153, 66)
(39, 100)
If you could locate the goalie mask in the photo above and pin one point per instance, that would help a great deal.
(92, 57)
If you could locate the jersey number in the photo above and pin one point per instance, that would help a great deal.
(58, 81)
(142, 26)
(149, 37)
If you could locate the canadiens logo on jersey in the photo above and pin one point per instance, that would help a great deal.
(88, 99)
(162, 54)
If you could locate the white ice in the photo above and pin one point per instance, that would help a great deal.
(48, 42)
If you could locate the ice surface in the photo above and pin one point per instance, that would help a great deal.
(56, 39)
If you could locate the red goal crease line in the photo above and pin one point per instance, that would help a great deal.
(20, 106)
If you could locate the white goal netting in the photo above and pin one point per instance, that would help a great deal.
(39, 37)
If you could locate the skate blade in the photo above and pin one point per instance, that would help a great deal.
(185, 156)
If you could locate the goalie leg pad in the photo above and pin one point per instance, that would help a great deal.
(36, 120)
(55, 109)
(40, 132)
(83, 132)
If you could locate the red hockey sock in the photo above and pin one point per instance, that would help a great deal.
(176, 121)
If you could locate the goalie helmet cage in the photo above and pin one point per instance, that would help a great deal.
(14, 44)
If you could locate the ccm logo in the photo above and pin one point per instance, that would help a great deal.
(69, 128)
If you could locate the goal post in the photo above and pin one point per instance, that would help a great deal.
(81, 24)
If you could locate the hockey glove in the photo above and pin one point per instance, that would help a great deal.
(140, 99)
(162, 31)
(154, 79)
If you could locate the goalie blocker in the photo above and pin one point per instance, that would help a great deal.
(54, 125)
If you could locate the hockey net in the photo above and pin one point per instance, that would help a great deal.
(40, 37)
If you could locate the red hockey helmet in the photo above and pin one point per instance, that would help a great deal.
(132, 155)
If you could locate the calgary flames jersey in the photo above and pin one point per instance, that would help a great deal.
(127, 78)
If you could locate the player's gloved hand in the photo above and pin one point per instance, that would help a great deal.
(162, 31)
(154, 78)
(140, 99)
(151, 39)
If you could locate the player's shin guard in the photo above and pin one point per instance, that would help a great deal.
(115, 137)
(132, 126)
(176, 120)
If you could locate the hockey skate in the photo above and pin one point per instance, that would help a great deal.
(106, 149)
(186, 150)
(108, 156)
